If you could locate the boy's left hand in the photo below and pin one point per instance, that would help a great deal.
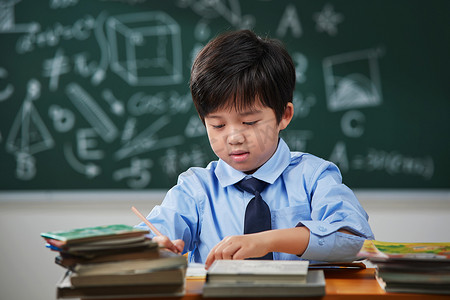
(238, 247)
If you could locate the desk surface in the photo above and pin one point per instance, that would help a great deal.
(340, 285)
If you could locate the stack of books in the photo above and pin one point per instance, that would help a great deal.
(263, 278)
(114, 261)
(410, 267)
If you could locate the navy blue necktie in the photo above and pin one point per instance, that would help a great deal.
(257, 213)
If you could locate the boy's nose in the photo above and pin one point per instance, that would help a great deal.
(236, 136)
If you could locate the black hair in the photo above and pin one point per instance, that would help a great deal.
(238, 68)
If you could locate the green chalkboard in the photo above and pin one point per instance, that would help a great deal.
(94, 94)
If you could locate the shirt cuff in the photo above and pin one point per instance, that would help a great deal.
(337, 246)
(319, 247)
(321, 228)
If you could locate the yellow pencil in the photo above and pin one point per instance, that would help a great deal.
(171, 246)
(144, 219)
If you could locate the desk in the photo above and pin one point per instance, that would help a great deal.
(340, 285)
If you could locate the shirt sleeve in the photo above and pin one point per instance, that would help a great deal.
(178, 215)
(334, 206)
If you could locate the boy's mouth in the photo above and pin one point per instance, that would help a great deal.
(239, 156)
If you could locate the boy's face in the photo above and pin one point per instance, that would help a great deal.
(245, 139)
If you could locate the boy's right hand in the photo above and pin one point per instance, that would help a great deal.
(176, 246)
(238, 247)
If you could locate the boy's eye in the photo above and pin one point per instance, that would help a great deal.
(250, 123)
(217, 126)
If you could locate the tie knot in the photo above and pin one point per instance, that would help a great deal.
(252, 185)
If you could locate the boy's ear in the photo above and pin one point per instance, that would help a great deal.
(287, 116)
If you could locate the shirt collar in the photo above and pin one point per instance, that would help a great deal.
(268, 172)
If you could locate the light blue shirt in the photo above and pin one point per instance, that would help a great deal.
(304, 190)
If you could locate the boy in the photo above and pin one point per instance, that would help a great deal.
(242, 87)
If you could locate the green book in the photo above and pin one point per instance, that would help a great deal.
(89, 234)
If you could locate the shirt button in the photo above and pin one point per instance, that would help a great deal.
(322, 228)
(321, 242)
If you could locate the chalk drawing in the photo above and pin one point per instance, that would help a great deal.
(198, 157)
(55, 4)
(179, 104)
(193, 54)
(51, 37)
(89, 169)
(303, 104)
(63, 119)
(28, 133)
(141, 103)
(375, 160)
(301, 65)
(147, 140)
(138, 174)
(394, 163)
(8, 22)
(116, 106)
(166, 102)
(175, 161)
(352, 123)
(8, 90)
(145, 48)
(169, 163)
(349, 90)
(229, 10)
(297, 139)
(92, 112)
(82, 66)
(26, 166)
(327, 20)
(194, 127)
(105, 56)
(129, 130)
(340, 157)
(55, 67)
(289, 20)
(202, 31)
(87, 145)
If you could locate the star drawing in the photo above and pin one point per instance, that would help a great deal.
(327, 20)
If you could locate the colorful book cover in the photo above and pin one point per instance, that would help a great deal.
(93, 233)
(393, 250)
